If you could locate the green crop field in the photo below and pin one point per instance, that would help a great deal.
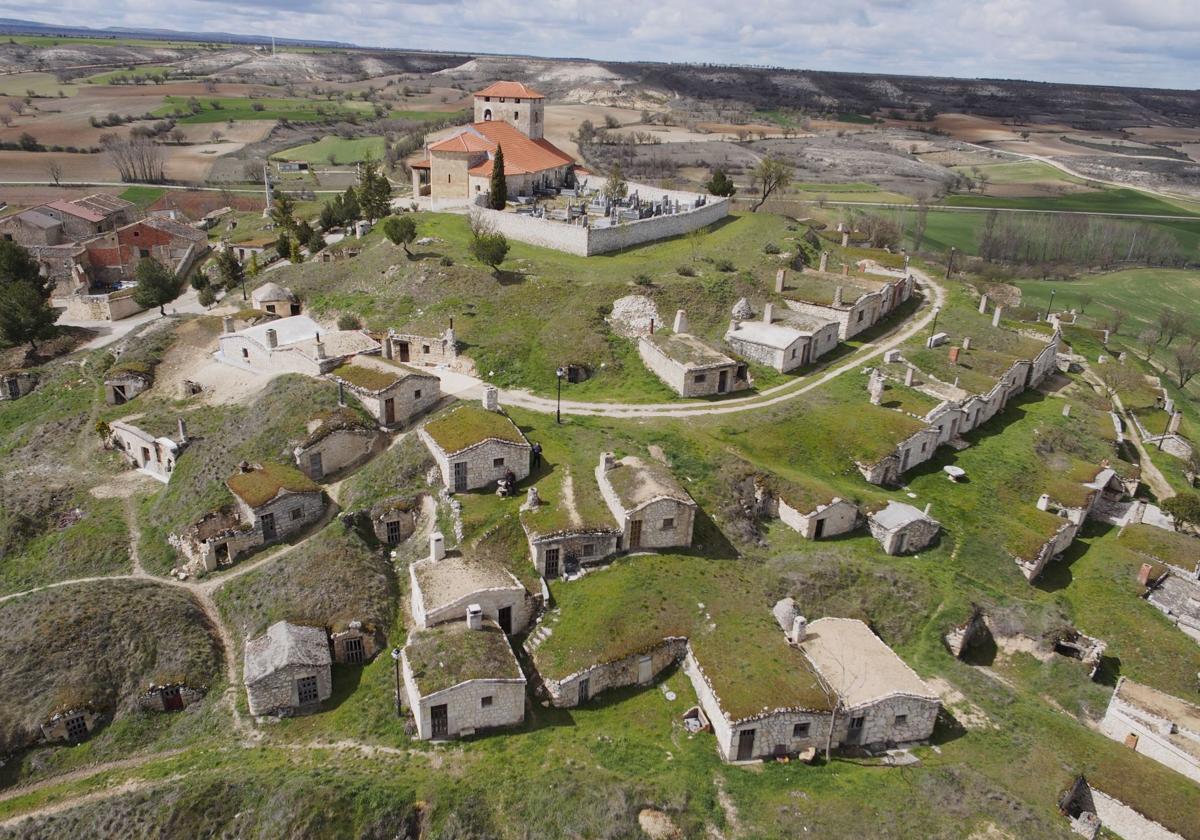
(1021, 172)
(335, 150)
(140, 71)
(240, 108)
(1114, 201)
(143, 197)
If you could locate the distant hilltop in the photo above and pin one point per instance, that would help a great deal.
(15, 26)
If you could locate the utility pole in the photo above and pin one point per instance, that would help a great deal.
(559, 374)
(396, 660)
(1050, 305)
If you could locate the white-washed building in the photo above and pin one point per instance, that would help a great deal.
(443, 586)
(150, 454)
(689, 365)
(901, 528)
(296, 344)
(275, 299)
(785, 344)
(1155, 724)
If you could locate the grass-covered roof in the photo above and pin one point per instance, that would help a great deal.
(448, 654)
(263, 483)
(469, 424)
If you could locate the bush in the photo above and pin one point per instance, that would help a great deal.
(686, 271)
(207, 296)
(770, 248)
(643, 279)
(446, 261)
(1185, 507)
(348, 321)
(725, 265)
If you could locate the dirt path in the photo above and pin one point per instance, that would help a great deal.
(84, 773)
(1151, 474)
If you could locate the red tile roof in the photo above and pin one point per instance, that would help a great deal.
(515, 90)
(521, 154)
(464, 141)
(75, 210)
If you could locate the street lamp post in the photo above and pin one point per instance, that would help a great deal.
(396, 662)
(559, 374)
(1050, 305)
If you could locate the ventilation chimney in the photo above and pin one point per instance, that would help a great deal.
(320, 348)
(845, 269)
(982, 304)
(387, 346)
(681, 323)
(967, 343)
(1067, 410)
(607, 461)
(908, 375)
(183, 438)
(1043, 502)
(768, 313)
(437, 546)
(845, 239)
(824, 261)
(227, 324)
(341, 394)
(799, 629)
(928, 507)
(491, 398)
(651, 326)
(272, 339)
(474, 617)
(837, 296)
(996, 316)
(780, 278)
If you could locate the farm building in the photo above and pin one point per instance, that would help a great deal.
(883, 701)
(444, 585)
(286, 670)
(342, 440)
(689, 365)
(422, 350)
(275, 501)
(114, 256)
(639, 668)
(15, 384)
(32, 228)
(475, 447)
(651, 509)
(792, 341)
(854, 303)
(508, 115)
(71, 725)
(1155, 724)
(392, 393)
(808, 508)
(573, 529)
(256, 247)
(901, 528)
(275, 299)
(153, 455)
(92, 215)
(291, 345)
(122, 383)
(170, 697)
(462, 678)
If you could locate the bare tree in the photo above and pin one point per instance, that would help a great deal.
(1149, 339)
(771, 174)
(1084, 300)
(54, 169)
(178, 135)
(1171, 324)
(1187, 361)
(1115, 320)
(137, 159)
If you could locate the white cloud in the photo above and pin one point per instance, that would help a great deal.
(1122, 42)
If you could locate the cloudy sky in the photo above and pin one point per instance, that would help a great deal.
(1123, 42)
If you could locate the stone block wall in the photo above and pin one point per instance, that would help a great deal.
(1123, 719)
(630, 670)
(55, 729)
(423, 350)
(481, 461)
(882, 723)
(839, 517)
(603, 544)
(492, 600)
(277, 693)
(339, 450)
(652, 516)
(917, 535)
(111, 307)
(465, 711)
(17, 384)
(411, 397)
(154, 700)
(311, 505)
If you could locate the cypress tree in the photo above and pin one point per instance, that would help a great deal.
(498, 188)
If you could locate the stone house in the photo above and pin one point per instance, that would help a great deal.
(568, 532)
(508, 115)
(215, 540)
(444, 585)
(651, 509)
(689, 365)
(638, 668)
(32, 228)
(275, 299)
(462, 678)
(124, 382)
(92, 215)
(15, 384)
(71, 725)
(792, 342)
(275, 500)
(170, 697)
(813, 511)
(432, 351)
(291, 345)
(854, 303)
(262, 248)
(114, 256)
(901, 528)
(1155, 724)
(341, 441)
(882, 701)
(154, 456)
(392, 393)
(394, 520)
(354, 643)
(286, 670)
(475, 447)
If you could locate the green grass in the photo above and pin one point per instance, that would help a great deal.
(341, 149)
(1021, 172)
(42, 84)
(241, 108)
(1113, 201)
(140, 71)
(143, 197)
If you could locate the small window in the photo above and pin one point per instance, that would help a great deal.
(587, 550)
(793, 352)
(901, 720)
(856, 723)
(497, 462)
(800, 730)
(669, 524)
(417, 394)
(516, 115)
(297, 514)
(517, 101)
(485, 702)
(424, 348)
(245, 353)
(448, 178)
(860, 315)
(306, 690)
(700, 377)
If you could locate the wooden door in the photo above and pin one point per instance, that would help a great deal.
(584, 689)
(268, 523)
(315, 468)
(172, 698)
(722, 382)
(460, 477)
(504, 619)
(552, 555)
(404, 351)
(439, 721)
(635, 534)
(645, 670)
(389, 411)
(745, 749)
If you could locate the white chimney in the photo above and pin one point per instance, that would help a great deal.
(982, 304)
(681, 323)
(491, 398)
(437, 546)
(1043, 502)
(474, 617)
(824, 261)
(387, 347)
(996, 316)
(607, 461)
(768, 313)
(837, 296)
(799, 629)
(928, 507)
(1067, 410)
(908, 375)
(227, 322)
(967, 343)
(780, 278)
(183, 438)
(272, 339)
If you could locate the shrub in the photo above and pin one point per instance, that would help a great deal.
(1184, 507)
(348, 321)
(643, 279)
(686, 271)
(770, 248)
(725, 265)
(446, 261)
(207, 296)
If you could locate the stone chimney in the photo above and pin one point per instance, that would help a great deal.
(768, 313)
(1043, 502)
(1104, 341)
(607, 461)
(532, 500)
(824, 265)
(837, 296)
(845, 239)
(681, 322)
(474, 617)
(183, 438)
(982, 304)
(733, 324)
(967, 342)
(272, 339)
(1144, 574)
(491, 398)
(780, 279)
(227, 324)
(875, 387)
(1067, 410)
(437, 546)
(387, 346)
(320, 348)
(996, 316)
(1173, 424)
(845, 269)
(799, 629)
(908, 375)
(928, 507)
